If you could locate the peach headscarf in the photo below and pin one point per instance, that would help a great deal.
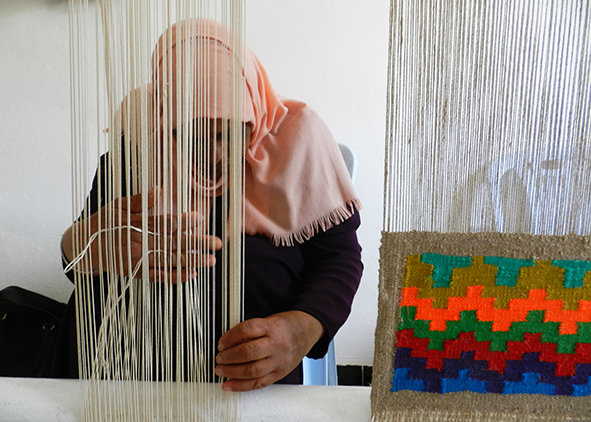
(296, 180)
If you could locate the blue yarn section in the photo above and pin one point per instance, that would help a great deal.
(462, 383)
(582, 390)
(528, 385)
(402, 382)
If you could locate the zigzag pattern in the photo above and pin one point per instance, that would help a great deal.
(564, 363)
(411, 374)
(502, 319)
(498, 339)
(556, 277)
(494, 325)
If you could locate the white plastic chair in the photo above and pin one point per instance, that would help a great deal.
(324, 371)
(350, 160)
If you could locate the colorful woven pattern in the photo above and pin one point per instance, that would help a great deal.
(494, 325)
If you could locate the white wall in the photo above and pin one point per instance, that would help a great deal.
(34, 144)
(331, 54)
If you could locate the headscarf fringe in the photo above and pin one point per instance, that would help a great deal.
(328, 221)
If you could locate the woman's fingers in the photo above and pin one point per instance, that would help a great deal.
(260, 351)
(190, 221)
(173, 223)
(171, 275)
(135, 204)
(172, 259)
(176, 243)
(198, 243)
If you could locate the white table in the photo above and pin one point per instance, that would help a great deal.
(48, 400)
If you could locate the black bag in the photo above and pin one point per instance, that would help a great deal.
(29, 326)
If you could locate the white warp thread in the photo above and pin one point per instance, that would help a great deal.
(150, 331)
(488, 117)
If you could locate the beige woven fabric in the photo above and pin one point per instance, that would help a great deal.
(417, 406)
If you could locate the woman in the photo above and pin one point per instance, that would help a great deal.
(302, 257)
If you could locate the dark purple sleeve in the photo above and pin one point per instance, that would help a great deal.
(334, 271)
(93, 201)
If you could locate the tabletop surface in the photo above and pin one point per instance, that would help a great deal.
(50, 400)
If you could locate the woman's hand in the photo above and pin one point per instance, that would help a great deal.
(260, 351)
(170, 257)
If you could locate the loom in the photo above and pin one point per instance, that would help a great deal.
(141, 86)
(486, 159)
(485, 246)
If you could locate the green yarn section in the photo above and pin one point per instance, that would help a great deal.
(498, 339)
(508, 269)
(443, 266)
(574, 272)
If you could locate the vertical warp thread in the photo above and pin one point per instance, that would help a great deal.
(150, 331)
(487, 116)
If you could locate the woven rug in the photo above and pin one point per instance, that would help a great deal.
(483, 327)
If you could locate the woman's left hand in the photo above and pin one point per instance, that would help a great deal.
(260, 351)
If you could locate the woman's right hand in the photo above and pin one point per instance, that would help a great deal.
(176, 243)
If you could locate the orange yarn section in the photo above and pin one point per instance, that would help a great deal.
(492, 324)
(501, 318)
